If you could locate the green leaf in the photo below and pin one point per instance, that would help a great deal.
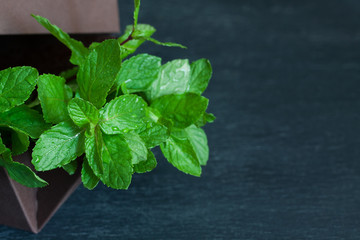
(178, 76)
(17, 171)
(122, 114)
(201, 72)
(71, 167)
(93, 148)
(142, 31)
(4, 153)
(205, 118)
(146, 166)
(3, 148)
(53, 98)
(115, 156)
(83, 112)
(16, 85)
(187, 149)
(24, 120)
(19, 143)
(94, 45)
(198, 141)
(138, 72)
(183, 110)
(180, 153)
(88, 177)
(137, 146)
(174, 78)
(78, 50)
(154, 134)
(165, 44)
(24, 175)
(97, 75)
(68, 92)
(70, 73)
(58, 146)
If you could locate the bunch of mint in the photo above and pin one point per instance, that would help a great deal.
(107, 113)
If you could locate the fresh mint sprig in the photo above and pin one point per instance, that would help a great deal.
(113, 114)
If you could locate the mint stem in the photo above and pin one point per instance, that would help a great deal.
(126, 40)
(130, 37)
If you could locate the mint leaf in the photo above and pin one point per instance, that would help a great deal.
(93, 148)
(17, 171)
(174, 78)
(154, 134)
(78, 50)
(122, 114)
(89, 179)
(129, 44)
(24, 120)
(201, 72)
(138, 33)
(180, 153)
(70, 73)
(97, 75)
(138, 72)
(137, 146)
(205, 118)
(23, 174)
(71, 167)
(58, 146)
(142, 31)
(16, 85)
(115, 156)
(19, 143)
(165, 44)
(187, 149)
(146, 166)
(198, 141)
(83, 112)
(3, 148)
(94, 45)
(183, 110)
(178, 76)
(54, 96)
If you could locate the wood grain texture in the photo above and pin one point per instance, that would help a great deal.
(284, 150)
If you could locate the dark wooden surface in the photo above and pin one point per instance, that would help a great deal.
(285, 156)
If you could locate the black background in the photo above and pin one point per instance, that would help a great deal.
(284, 160)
